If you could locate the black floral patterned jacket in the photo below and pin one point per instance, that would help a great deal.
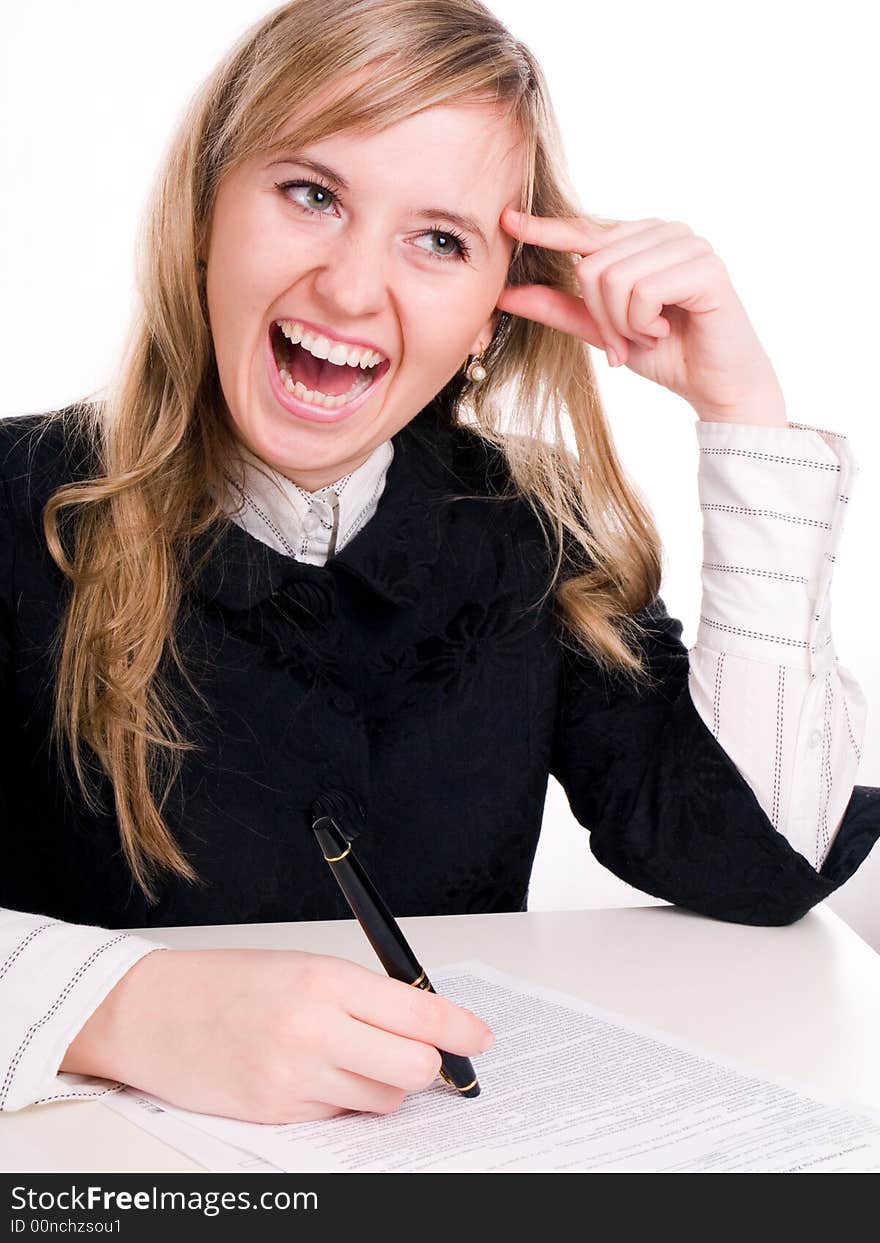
(417, 671)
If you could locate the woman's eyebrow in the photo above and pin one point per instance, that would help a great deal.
(464, 222)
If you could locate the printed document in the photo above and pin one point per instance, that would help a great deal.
(567, 1087)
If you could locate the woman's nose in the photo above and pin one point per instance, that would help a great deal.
(353, 276)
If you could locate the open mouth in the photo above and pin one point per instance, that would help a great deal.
(317, 381)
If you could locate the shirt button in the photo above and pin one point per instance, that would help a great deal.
(311, 521)
(815, 737)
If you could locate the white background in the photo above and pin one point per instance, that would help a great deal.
(754, 124)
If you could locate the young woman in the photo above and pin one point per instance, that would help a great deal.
(324, 535)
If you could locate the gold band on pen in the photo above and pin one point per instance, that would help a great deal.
(416, 983)
(467, 1087)
(336, 858)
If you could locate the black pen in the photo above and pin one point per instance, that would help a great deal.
(378, 923)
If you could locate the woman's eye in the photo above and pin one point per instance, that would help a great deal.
(323, 194)
(453, 245)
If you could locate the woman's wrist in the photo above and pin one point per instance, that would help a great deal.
(747, 420)
(765, 408)
(96, 1048)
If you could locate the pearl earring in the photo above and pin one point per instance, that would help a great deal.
(476, 372)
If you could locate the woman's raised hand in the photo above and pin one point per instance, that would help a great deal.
(271, 1035)
(658, 298)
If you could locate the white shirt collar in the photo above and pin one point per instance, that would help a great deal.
(310, 526)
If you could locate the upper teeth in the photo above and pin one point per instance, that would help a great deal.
(322, 347)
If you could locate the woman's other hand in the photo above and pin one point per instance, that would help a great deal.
(657, 298)
(270, 1036)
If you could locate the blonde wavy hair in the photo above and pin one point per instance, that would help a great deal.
(162, 434)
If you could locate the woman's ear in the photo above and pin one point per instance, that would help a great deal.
(486, 333)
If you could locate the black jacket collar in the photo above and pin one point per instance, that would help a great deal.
(392, 554)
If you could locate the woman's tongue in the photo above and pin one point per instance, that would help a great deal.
(318, 374)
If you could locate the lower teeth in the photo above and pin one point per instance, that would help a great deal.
(315, 398)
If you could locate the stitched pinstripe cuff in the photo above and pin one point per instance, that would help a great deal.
(773, 501)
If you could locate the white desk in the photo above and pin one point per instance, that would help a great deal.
(802, 1002)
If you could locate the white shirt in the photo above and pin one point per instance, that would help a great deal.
(763, 676)
(310, 526)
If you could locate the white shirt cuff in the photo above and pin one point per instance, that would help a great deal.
(53, 976)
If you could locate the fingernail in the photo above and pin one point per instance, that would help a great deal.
(487, 1042)
(613, 360)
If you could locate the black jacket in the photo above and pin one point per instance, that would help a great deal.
(411, 672)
